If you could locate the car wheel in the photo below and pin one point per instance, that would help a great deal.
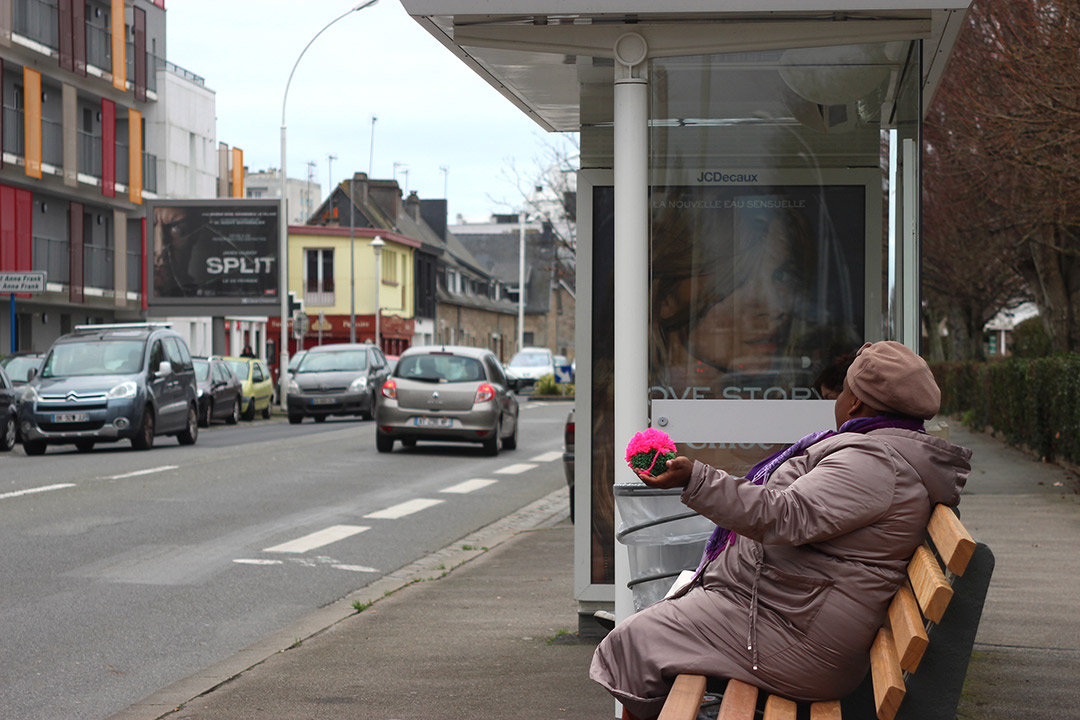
(384, 443)
(206, 414)
(510, 443)
(370, 412)
(491, 447)
(84, 445)
(266, 411)
(34, 447)
(249, 411)
(234, 416)
(191, 432)
(144, 439)
(7, 438)
(295, 419)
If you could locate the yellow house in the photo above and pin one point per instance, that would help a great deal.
(333, 271)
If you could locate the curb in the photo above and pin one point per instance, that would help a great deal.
(545, 512)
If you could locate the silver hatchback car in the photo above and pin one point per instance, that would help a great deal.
(447, 394)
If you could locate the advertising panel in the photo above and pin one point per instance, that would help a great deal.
(214, 252)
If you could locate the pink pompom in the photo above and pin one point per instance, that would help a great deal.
(649, 441)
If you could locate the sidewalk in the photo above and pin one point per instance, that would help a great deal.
(494, 639)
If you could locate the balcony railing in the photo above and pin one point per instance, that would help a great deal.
(37, 20)
(318, 299)
(99, 47)
(89, 151)
(52, 142)
(53, 256)
(134, 270)
(98, 267)
(14, 131)
(149, 173)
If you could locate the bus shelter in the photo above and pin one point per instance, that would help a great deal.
(747, 211)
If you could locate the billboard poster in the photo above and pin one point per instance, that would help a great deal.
(214, 252)
(756, 285)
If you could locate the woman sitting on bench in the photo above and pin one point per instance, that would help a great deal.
(809, 550)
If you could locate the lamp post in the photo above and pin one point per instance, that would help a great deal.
(283, 230)
(377, 245)
(521, 281)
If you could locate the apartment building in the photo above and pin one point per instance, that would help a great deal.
(87, 137)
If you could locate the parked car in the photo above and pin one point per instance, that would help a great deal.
(295, 360)
(20, 364)
(568, 458)
(9, 408)
(103, 383)
(529, 365)
(256, 385)
(447, 394)
(218, 390)
(340, 379)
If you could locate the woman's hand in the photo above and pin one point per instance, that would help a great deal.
(676, 475)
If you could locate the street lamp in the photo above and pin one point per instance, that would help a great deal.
(377, 245)
(283, 230)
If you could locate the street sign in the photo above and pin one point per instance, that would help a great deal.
(564, 374)
(22, 282)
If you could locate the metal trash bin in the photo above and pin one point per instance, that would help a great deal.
(663, 538)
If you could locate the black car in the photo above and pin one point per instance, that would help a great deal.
(339, 379)
(218, 390)
(9, 407)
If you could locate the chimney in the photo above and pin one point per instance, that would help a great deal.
(360, 189)
(412, 206)
(387, 195)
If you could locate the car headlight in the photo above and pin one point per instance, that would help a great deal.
(30, 394)
(199, 392)
(294, 389)
(359, 383)
(123, 390)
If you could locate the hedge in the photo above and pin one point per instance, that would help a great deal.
(1033, 403)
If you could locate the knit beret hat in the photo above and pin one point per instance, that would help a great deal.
(889, 377)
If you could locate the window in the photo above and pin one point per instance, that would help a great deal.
(319, 270)
(389, 266)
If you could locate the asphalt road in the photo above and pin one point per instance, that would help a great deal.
(125, 571)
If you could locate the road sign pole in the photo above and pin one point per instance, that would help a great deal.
(13, 334)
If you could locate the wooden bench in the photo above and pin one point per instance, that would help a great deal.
(930, 628)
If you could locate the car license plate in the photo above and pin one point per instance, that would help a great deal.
(323, 401)
(70, 417)
(434, 422)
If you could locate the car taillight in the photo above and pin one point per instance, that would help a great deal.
(568, 434)
(389, 389)
(484, 393)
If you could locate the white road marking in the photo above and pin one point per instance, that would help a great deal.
(401, 510)
(355, 568)
(31, 491)
(547, 457)
(253, 561)
(318, 539)
(148, 471)
(515, 469)
(468, 486)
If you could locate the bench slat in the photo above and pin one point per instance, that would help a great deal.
(908, 631)
(928, 581)
(779, 708)
(826, 710)
(740, 701)
(951, 539)
(684, 699)
(888, 681)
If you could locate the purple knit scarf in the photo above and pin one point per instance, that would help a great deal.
(721, 538)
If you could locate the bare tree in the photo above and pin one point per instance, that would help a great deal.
(1001, 143)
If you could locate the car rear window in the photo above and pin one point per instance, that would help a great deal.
(331, 361)
(95, 357)
(202, 370)
(440, 368)
(240, 368)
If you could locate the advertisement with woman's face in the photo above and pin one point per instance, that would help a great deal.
(754, 290)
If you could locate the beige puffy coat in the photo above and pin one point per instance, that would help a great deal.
(792, 606)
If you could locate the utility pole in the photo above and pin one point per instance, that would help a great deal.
(371, 152)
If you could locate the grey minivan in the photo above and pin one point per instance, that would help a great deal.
(104, 383)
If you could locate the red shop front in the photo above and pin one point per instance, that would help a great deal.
(396, 332)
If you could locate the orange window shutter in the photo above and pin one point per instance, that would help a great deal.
(237, 173)
(32, 121)
(135, 156)
(119, 45)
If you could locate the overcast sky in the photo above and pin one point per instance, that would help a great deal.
(432, 111)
